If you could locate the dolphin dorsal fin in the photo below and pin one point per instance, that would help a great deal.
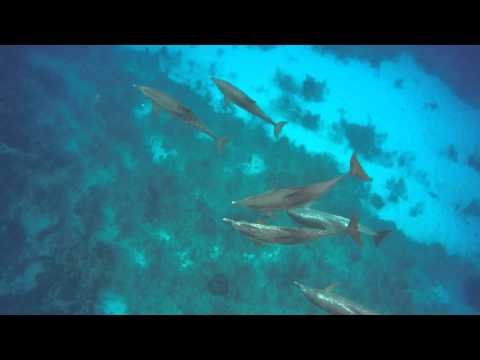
(330, 287)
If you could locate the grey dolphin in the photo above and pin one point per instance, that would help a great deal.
(271, 234)
(233, 94)
(334, 223)
(163, 101)
(290, 198)
(331, 303)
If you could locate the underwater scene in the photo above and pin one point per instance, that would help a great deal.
(240, 179)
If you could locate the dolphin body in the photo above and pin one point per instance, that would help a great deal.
(331, 303)
(334, 223)
(290, 198)
(162, 101)
(233, 94)
(271, 234)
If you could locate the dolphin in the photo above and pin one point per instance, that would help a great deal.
(233, 94)
(282, 235)
(334, 223)
(290, 198)
(331, 303)
(162, 101)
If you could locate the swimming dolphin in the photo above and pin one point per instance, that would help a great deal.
(290, 198)
(271, 234)
(331, 303)
(233, 94)
(162, 101)
(333, 223)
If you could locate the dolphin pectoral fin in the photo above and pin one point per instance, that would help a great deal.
(156, 109)
(309, 204)
(330, 287)
(261, 220)
(220, 142)
(227, 102)
(353, 229)
(378, 238)
(267, 215)
(295, 192)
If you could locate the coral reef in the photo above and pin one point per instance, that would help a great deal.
(313, 90)
(366, 141)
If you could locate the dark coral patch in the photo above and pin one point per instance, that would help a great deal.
(311, 121)
(398, 190)
(472, 209)
(377, 201)
(367, 142)
(218, 285)
(398, 84)
(416, 210)
(313, 90)
(452, 153)
(406, 159)
(471, 291)
(285, 82)
(474, 162)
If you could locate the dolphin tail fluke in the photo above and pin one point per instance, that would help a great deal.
(357, 170)
(378, 238)
(278, 128)
(353, 230)
(221, 143)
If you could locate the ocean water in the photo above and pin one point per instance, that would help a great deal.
(111, 208)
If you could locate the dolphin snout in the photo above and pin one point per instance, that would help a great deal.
(299, 285)
(227, 220)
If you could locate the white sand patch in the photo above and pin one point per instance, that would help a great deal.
(142, 111)
(159, 153)
(185, 259)
(113, 304)
(215, 252)
(255, 166)
(140, 258)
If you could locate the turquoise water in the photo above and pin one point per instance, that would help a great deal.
(110, 208)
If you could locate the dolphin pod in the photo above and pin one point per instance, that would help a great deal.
(295, 201)
(316, 224)
(162, 101)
